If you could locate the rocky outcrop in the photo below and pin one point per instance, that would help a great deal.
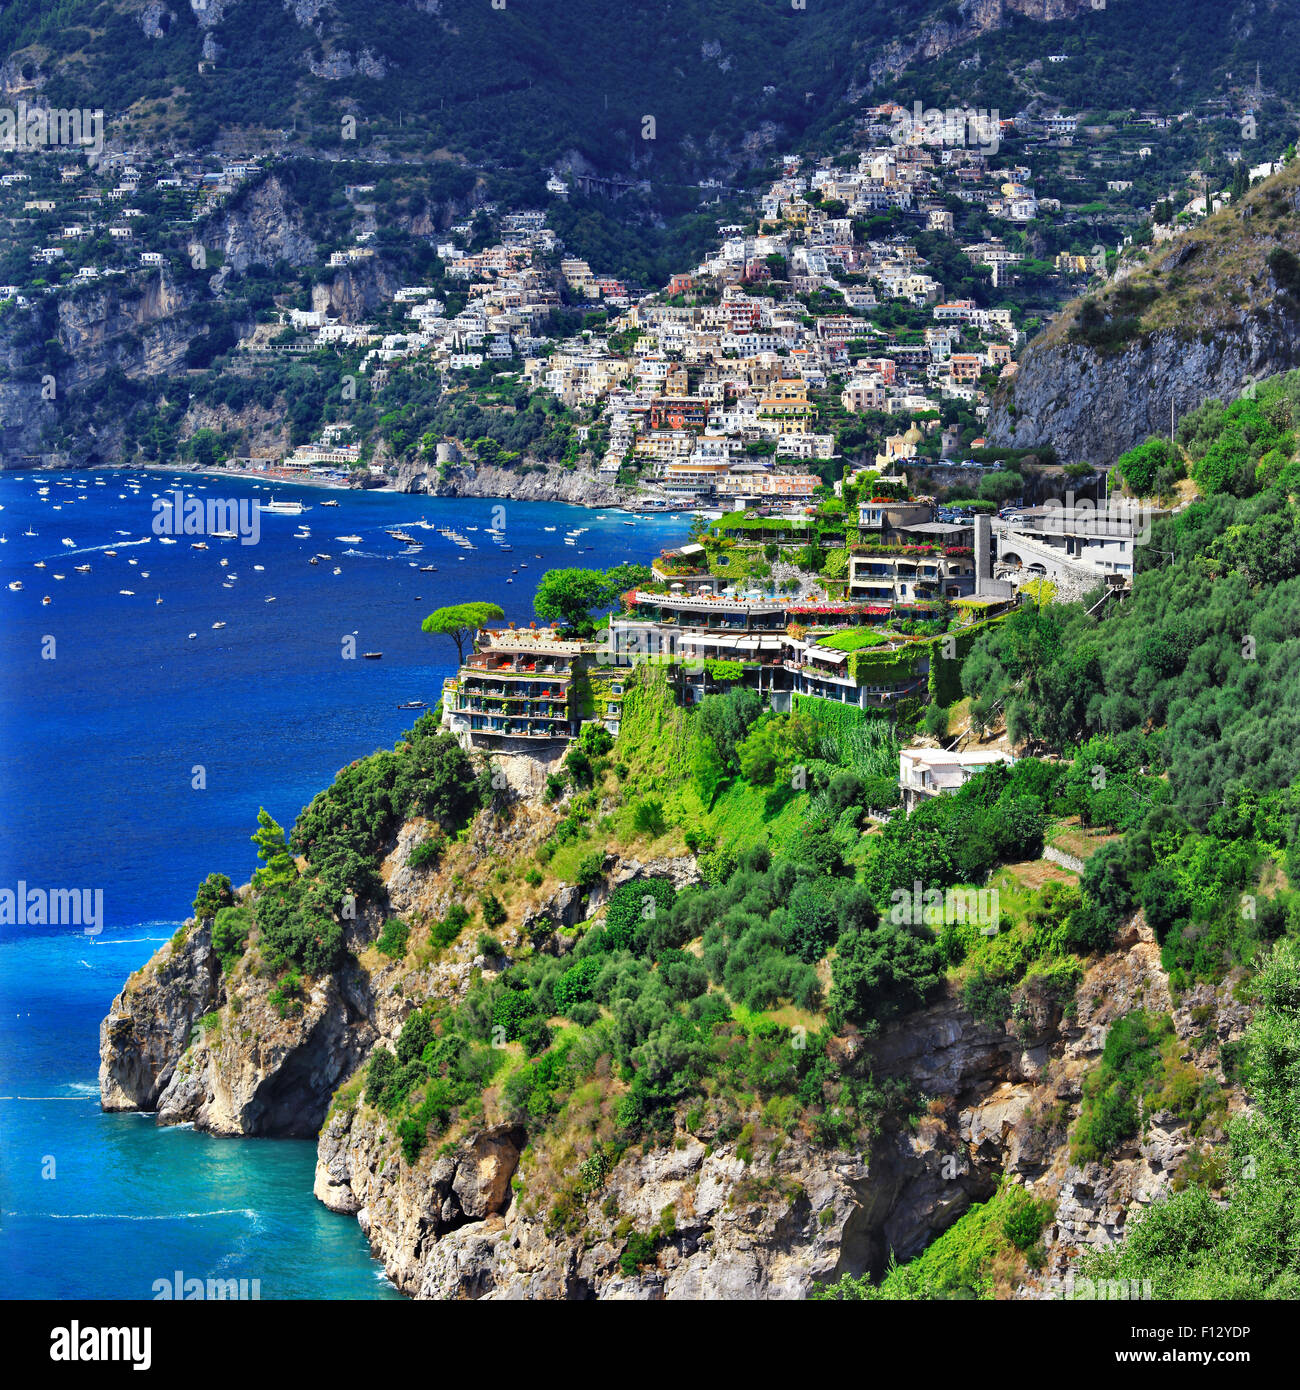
(578, 487)
(199, 1047)
(356, 291)
(1201, 317)
(151, 1023)
(453, 1227)
(263, 226)
(1091, 407)
(264, 1069)
(973, 19)
(484, 1215)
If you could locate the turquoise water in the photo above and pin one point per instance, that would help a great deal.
(98, 755)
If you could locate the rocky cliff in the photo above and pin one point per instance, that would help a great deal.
(579, 487)
(1199, 317)
(477, 1217)
(961, 24)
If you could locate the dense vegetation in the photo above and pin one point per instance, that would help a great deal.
(1192, 1247)
(300, 917)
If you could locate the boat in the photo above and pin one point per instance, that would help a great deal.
(270, 598)
(83, 569)
(29, 532)
(67, 541)
(321, 555)
(548, 528)
(46, 599)
(225, 535)
(158, 599)
(217, 625)
(40, 564)
(112, 554)
(351, 540)
(371, 656)
(282, 507)
(199, 545)
(259, 567)
(166, 540)
(330, 503)
(130, 593)
(313, 561)
(193, 635)
(428, 569)
(223, 562)
(337, 570)
(413, 704)
(16, 585)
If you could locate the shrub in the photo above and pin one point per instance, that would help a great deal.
(286, 997)
(639, 1250)
(392, 939)
(214, 893)
(591, 870)
(445, 932)
(576, 984)
(428, 851)
(1024, 1219)
(936, 721)
(230, 928)
(493, 912)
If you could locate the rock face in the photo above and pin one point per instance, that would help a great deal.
(258, 1073)
(974, 19)
(245, 1069)
(576, 486)
(149, 1024)
(485, 1215)
(1204, 315)
(452, 1228)
(263, 226)
(1093, 407)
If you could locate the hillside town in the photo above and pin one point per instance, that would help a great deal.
(848, 315)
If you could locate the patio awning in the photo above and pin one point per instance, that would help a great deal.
(826, 654)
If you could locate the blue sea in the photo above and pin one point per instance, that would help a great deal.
(134, 760)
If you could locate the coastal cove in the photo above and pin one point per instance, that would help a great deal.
(135, 762)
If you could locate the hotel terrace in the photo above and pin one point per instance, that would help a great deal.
(516, 684)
